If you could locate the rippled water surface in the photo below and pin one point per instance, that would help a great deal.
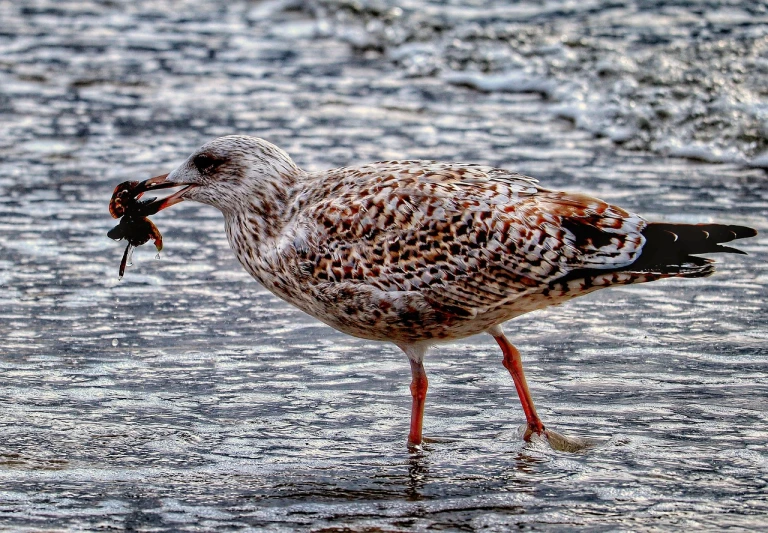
(186, 397)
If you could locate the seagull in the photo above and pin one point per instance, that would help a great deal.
(417, 253)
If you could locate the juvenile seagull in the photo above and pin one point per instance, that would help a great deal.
(418, 252)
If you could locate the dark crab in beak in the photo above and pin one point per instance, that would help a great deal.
(134, 225)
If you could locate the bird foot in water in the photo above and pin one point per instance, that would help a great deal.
(429, 440)
(557, 441)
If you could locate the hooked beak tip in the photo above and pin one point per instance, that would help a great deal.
(158, 182)
(161, 182)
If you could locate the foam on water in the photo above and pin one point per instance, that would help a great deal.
(679, 79)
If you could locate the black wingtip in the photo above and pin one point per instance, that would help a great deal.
(742, 232)
(669, 244)
(729, 250)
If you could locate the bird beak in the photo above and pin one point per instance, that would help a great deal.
(161, 182)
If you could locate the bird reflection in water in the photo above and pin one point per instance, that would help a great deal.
(418, 475)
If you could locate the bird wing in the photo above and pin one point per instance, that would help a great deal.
(466, 237)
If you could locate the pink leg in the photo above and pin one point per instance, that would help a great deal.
(514, 364)
(419, 386)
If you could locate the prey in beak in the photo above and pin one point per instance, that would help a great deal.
(134, 226)
(125, 198)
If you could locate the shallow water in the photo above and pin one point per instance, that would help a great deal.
(186, 397)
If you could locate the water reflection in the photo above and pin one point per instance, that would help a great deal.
(418, 475)
(527, 463)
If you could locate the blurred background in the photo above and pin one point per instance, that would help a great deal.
(185, 397)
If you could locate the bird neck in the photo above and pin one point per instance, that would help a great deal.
(258, 221)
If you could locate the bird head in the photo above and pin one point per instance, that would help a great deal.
(231, 173)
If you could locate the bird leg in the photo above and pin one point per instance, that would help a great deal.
(514, 364)
(419, 386)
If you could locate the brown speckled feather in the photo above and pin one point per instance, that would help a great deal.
(467, 241)
(418, 251)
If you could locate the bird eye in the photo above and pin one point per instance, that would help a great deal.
(206, 163)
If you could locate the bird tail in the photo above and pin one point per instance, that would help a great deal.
(673, 249)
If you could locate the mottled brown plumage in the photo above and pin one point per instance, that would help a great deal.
(415, 252)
